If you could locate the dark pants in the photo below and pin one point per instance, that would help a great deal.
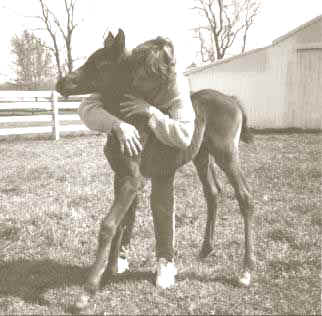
(162, 204)
(162, 200)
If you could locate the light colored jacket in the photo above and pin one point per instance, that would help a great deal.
(175, 129)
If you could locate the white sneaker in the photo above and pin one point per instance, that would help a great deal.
(122, 265)
(166, 272)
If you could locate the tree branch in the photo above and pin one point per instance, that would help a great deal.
(226, 20)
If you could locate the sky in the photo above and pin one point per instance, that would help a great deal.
(142, 20)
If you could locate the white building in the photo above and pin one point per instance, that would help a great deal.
(280, 85)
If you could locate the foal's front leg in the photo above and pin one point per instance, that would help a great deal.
(117, 262)
(128, 190)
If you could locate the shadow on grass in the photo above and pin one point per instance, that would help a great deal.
(128, 276)
(286, 131)
(223, 279)
(284, 236)
(29, 280)
(150, 276)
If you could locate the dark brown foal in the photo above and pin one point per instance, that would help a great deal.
(220, 124)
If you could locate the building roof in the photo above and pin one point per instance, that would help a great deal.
(222, 61)
(276, 41)
(296, 30)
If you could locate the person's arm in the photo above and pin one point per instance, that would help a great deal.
(95, 117)
(175, 128)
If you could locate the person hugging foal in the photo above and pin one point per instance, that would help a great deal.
(172, 123)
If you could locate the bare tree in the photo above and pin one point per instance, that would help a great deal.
(225, 20)
(33, 61)
(60, 29)
(251, 11)
(206, 49)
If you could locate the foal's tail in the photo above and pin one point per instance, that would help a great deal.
(246, 134)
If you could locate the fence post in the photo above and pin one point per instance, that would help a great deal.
(55, 115)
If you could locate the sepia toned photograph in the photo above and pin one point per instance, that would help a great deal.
(160, 157)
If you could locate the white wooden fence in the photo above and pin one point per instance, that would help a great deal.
(34, 112)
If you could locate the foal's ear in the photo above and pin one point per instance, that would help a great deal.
(109, 40)
(119, 43)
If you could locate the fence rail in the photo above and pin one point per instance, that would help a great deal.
(35, 112)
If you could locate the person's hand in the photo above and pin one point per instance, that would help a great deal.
(128, 137)
(135, 106)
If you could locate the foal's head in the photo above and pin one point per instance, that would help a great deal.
(103, 70)
(147, 70)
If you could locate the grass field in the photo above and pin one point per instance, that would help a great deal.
(54, 194)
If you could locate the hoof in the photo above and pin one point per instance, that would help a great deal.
(119, 267)
(122, 265)
(166, 273)
(245, 280)
(205, 252)
(92, 285)
(85, 311)
(81, 306)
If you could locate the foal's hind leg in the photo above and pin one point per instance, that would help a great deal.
(227, 157)
(211, 189)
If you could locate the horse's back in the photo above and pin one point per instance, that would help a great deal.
(224, 114)
(217, 104)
